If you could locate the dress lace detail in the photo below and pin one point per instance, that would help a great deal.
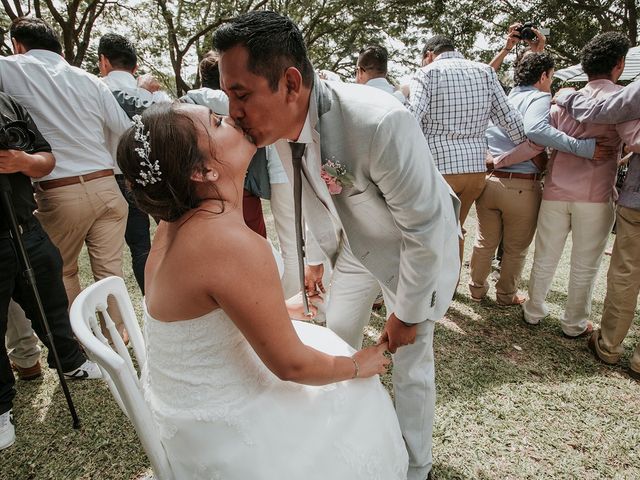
(224, 416)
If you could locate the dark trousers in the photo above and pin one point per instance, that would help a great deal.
(252, 213)
(136, 235)
(47, 266)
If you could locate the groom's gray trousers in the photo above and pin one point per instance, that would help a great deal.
(352, 293)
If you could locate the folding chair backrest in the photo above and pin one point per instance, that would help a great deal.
(115, 362)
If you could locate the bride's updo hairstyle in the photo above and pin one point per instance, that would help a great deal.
(157, 156)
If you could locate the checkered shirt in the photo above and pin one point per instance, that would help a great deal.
(454, 100)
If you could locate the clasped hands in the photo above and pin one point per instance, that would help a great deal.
(396, 333)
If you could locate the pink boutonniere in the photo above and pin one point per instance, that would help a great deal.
(336, 176)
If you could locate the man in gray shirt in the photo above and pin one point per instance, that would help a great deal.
(623, 279)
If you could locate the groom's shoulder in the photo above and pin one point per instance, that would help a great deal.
(363, 104)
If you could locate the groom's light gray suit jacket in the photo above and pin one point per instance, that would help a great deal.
(400, 216)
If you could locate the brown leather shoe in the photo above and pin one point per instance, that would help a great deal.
(29, 373)
(633, 374)
(587, 331)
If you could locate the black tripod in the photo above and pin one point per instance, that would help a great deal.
(7, 206)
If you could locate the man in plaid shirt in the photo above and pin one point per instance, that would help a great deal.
(454, 100)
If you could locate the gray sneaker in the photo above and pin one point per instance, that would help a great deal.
(7, 430)
(87, 371)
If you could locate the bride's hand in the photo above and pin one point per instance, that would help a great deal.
(372, 361)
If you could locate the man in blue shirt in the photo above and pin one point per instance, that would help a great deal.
(508, 207)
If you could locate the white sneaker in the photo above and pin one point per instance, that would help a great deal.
(87, 371)
(7, 430)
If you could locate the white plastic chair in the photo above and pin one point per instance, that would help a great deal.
(115, 362)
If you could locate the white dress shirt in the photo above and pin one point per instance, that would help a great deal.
(72, 108)
(453, 100)
(121, 80)
(384, 85)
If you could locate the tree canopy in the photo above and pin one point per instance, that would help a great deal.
(172, 35)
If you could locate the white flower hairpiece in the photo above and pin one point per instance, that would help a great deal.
(150, 171)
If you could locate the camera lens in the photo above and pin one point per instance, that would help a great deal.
(16, 138)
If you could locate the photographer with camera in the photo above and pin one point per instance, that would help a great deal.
(24, 153)
(516, 33)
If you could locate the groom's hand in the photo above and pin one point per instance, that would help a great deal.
(313, 279)
(397, 333)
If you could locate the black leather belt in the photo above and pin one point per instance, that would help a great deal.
(22, 227)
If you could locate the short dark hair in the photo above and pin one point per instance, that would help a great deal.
(210, 71)
(374, 57)
(602, 53)
(119, 51)
(438, 44)
(173, 140)
(35, 33)
(530, 68)
(273, 41)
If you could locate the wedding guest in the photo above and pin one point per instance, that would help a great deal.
(384, 218)
(371, 70)
(235, 386)
(79, 202)
(579, 194)
(454, 100)
(623, 279)
(16, 168)
(508, 207)
(118, 62)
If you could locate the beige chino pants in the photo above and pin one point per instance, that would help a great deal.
(468, 187)
(623, 286)
(508, 211)
(94, 214)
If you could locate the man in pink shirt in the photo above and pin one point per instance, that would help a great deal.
(578, 195)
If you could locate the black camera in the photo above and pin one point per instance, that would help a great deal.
(525, 31)
(16, 136)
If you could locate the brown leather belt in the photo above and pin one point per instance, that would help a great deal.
(521, 176)
(63, 182)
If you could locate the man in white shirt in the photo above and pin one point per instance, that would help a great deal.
(371, 70)
(118, 61)
(453, 100)
(79, 202)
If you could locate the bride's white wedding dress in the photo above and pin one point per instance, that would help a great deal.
(223, 415)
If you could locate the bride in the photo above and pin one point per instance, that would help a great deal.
(239, 390)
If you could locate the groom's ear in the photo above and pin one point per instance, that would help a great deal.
(293, 82)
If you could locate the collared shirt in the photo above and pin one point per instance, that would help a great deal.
(575, 179)
(534, 106)
(125, 82)
(121, 80)
(453, 100)
(384, 85)
(616, 108)
(72, 108)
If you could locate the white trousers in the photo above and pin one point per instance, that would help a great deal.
(282, 208)
(353, 291)
(590, 225)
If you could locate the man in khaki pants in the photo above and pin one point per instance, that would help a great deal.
(79, 202)
(623, 279)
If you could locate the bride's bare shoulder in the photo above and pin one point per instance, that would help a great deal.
(224, 240)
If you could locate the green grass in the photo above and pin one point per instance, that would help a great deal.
(514, 402)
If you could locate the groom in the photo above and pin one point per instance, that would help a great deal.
(393, 225)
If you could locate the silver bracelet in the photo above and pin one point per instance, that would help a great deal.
(356, 368)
